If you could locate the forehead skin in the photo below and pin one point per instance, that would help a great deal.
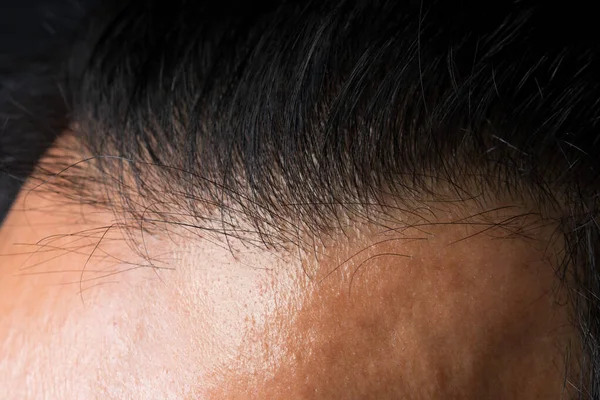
(414, 314)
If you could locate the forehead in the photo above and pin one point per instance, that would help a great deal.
(437, 309)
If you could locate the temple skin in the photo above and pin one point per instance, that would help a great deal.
(88, 312)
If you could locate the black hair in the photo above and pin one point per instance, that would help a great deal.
(297, 114)
(34, 42)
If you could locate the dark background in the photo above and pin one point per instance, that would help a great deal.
(32, 32)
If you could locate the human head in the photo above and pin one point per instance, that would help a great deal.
(284, 126)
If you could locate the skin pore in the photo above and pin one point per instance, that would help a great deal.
(417, 310)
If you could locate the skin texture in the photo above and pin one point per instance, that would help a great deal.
(439, 311)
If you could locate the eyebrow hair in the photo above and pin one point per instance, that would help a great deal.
(294, 115)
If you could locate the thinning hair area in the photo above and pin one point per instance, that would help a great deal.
(285, 125)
